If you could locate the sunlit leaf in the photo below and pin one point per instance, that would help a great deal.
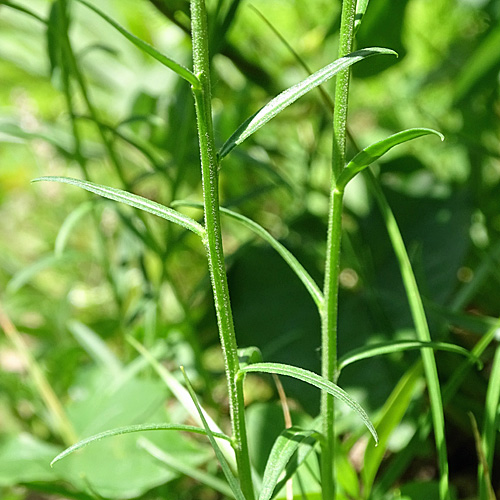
(372, 153)
(128, 429)
(283, 449)
(132, 200)
(373, 350)
(290, 95)
(315, 380)
(146, 47)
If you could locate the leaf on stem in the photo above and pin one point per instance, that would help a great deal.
(289, 96)
(283, 449)
(361, 6)
(372, 153)
(128, 430)
(287, 256)
(133, 200)
(233, 482)
(181, 70)
(371, 351)
(315, 380)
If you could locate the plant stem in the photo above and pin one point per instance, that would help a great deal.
(329, 316)
(213, 243)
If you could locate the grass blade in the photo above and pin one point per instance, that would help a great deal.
(289, 96)
(361, 6)
(24, 10)
(129, 429)
(370, 351)
(182, 71)
(283, 449)
(67, 226)
(180, 467)
(133, 200)
(315, 380)
(287, 256)
(372, 153)
(231, 479)
(490, 426)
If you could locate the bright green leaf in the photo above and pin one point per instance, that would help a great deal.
(373, 350)
(283, 449)
(315, 380)
(133, 200)
(290, 95)
(128, 430)
(145, 47)
(372, 153)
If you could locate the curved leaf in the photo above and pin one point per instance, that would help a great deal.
(133, 200)
(290, 95)
(287, 256)
(283, 449)
(373, 350)
(67, 226)
(316, 380)
(372, 153)
(182, 71)
(130, 429)
(23, 9)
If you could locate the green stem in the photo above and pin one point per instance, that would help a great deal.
(329, 316)
(213, 243)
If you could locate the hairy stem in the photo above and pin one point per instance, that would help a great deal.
(213, 243)
(329, 315)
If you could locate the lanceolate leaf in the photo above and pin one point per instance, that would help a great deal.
(361, 7)
(145, 47)
(287, 256)
(128, 430)
(289, 96)
(372, 153)
(134, 201)
(283, 449)
(398, 346)
(316, 380)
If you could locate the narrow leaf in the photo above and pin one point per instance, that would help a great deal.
(287, 256)
(361, 7)
(372, 153)
(184, 469)
(283, 449)
(67, 226)
(231, 479)
(25, 10)
(373, 350)
(133, 200)
(315, 380)
(182, 71)
(128, 430)
(289, 96)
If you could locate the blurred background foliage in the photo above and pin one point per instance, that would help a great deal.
(79, 274)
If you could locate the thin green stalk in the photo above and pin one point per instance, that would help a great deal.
(213, 243)
(329, 316)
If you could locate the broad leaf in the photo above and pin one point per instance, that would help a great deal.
(284, 448)
(145, 47)
(289, 96)
(133, 200)
(370, 351)
(315, 380)
(372, 153)
(231, 479)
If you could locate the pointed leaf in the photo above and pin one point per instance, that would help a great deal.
(372, 153)
(283, 449)
(182, 71)
(287, 256)
(316, 380)
(231, 479)
(373, 350)
(289, 96)
(128, 430)
(361, 7)
(133, 200)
